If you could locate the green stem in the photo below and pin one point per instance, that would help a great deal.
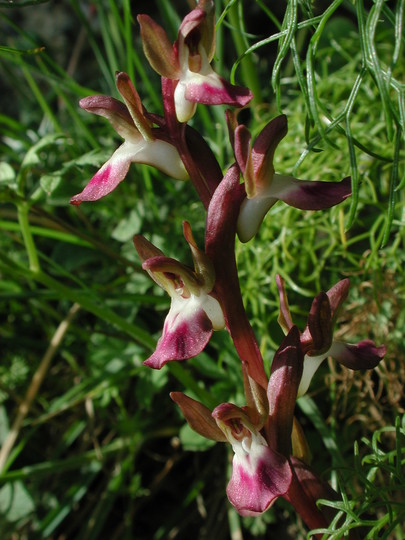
(41, 99)
(23, 209)
(188, 381)
(83, 298)
(249, 71)
(104, 313)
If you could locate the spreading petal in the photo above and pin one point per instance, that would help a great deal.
(206, 87)
(158, 49)
(198, 417)
(211, 89)
(363, 355)
(157, 153)
(302, 194)
(109, 176)
(308, 195)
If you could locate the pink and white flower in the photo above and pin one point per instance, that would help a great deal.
(194, 311)
(259, 474)
(143, 143)
(264, 187)
(259, 433)
(317, 338)
(188, 62)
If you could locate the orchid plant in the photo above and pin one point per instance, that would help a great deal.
(270, 451)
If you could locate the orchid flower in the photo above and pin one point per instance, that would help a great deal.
(194, 310)
(259, 474)
(259, 433)
(188, 62)
(317, 338)
(264, 187)
(142, 142)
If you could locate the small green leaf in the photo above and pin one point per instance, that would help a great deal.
(15, 501)
(192, 441)
(49, 182)
(4, 426)
(32, 156)
(7, 175)
(127, 227)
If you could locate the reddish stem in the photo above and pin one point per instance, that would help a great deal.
(220, 234)
(306, 488)
(198, 159)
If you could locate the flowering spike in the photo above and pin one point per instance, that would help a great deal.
(220, 247)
